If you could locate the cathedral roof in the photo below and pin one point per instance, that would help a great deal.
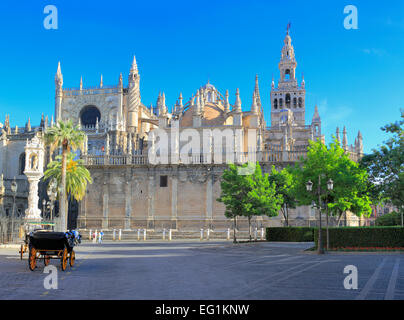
(212, 115)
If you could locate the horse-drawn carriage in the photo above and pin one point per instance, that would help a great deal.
(49, 245)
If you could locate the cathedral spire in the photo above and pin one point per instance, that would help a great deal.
(180, 102)
(257, 91)
(237, 104)
(133, 68)
(134, 99)
(338, 136)
(344, 140)
(360, 143)
(197, 109)
(254, 105)
(59, 76)
(316, 115)
(59, 93)
(120, 82)
(226, 103)
(28, 125)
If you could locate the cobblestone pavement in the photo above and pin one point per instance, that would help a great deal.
(204, 270)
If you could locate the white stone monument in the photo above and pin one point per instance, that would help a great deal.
(34, 163)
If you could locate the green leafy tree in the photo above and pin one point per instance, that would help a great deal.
(66, 136)
(285, 186)
(385, 166)
(77, 175)
(234, 191)
(262, 198)
(248, 195)
(350, 190)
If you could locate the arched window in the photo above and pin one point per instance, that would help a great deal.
(287, 100)
(280, 102)
(294, 102)
(89, 115)
(21, 164)
(300, 103)
(287, 74)
(276, 103)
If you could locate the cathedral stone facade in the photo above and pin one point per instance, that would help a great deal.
(157, 168)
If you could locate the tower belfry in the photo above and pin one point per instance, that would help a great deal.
(288, 94)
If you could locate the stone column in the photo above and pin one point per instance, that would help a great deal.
(128, 199)
(209, 197)
(174, 200)
(105, 198)
(150, 213)
(34, 163)
(2, 193)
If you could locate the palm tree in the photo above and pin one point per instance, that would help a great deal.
(77, 175)
(68, 137)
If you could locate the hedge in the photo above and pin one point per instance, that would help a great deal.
(389, 219)
(363, 237)
(290, 234)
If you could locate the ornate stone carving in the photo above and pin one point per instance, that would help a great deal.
(34, 164)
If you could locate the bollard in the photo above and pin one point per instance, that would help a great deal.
(170, 235)
(228, 233)
(89, 236)
(138, 234)
(262, 233)
(114, 235)
(144, 234)
(256, 234)
(164, 234)
(201, 234)
(120, 235)
(207, 234)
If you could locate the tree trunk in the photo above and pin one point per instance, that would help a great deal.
(63, 212)
(235, 227)
(287, 216)
(339, 219)
(328, 235)
(249, 227)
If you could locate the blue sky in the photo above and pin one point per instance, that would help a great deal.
(354, 76)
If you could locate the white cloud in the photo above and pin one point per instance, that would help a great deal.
(375, 52)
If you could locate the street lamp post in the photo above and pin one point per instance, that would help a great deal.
(330, 186)
(43, 208)
(52, 193)
(309, 187)
(14, 193)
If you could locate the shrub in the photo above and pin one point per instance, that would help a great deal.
(389, 219)
(364, 237)
(290, 234)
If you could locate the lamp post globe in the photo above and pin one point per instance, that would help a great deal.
(309, 186)
(330, 184)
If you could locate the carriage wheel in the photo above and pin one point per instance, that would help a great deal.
(63, 259)
(46, 260)
(32, 259)
(72, 258)
(21, 251)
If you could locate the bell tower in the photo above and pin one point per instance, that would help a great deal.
(288, 94)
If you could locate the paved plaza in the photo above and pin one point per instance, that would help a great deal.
(204, 270)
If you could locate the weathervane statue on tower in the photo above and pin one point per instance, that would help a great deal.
(288, 27)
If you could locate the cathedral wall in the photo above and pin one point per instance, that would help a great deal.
(134, 197)
(107, 101)
(9, 158)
